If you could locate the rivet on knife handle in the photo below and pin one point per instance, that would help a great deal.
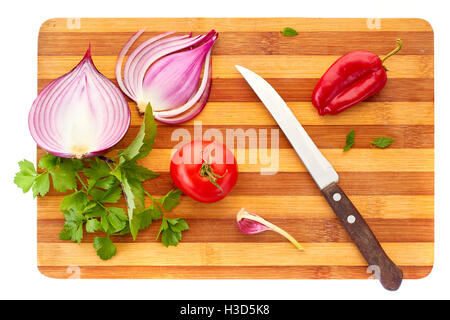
(390, 274)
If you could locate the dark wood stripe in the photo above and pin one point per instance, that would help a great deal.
(300, 90)
(304, 230)
(414, 90)
(279, 272)
(325, 137)
(301, 184)
(251, 43)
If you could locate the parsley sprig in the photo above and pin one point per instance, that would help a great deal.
(96, 184)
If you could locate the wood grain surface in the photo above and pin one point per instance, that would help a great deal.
(392, 188)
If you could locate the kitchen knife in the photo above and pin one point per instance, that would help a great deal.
(326, 179)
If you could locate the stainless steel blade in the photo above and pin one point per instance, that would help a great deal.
(318, 166)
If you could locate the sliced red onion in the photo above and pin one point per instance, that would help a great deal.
(79, 115)
(250, 223)
(165, 72)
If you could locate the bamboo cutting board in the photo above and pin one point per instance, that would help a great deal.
(393, 188)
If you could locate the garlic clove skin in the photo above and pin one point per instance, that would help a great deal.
(249, 226)
(79, 115)
(250, 223)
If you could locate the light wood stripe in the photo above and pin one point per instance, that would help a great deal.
(406, 66)
(287, 160)
(279, 207)
(255, 114)
(230, 24)
(366, 113)
(231, 254)
(170, 272)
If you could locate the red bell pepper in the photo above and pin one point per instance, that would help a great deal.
(353, 78)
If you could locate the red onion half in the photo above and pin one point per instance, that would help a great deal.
(165, 72)
(79, 115)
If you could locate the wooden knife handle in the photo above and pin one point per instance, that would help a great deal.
(390, 275)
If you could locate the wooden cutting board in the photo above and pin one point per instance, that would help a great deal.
(393, 188)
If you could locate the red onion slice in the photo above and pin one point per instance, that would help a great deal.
(79, 115)
(165, 72)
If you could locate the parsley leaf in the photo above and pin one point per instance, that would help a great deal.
(382, 142)
(289, 32)
(64, 180)
(99, 169)
(143, 143)
(112, 195)
(350, 142)
(171, 231)
(171, 199)
(25, 178)
(137, 172)
(73, 227)
(117, 218)
(27, 167)
(41, 185)
(48, 162)
(76, 202)
(92, 225)
(105, 248)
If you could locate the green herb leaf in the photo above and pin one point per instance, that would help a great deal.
(289, 32)
(64, 180)
(93, 225)
(143, 143)
(95, 211)
(41, 185)
(73, 227)
(48, 162)
(117, 218)
(75, 202)
(137, 172)
(71, 164)
(105, 248)
(171, 231)
(382, 142)
(106, 183)
(171, 199)
(25, 178)
(27, 167)
(113, 195)
(350, 140)
(99, 169)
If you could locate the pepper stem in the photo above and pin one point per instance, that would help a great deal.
(271, 226)
(399, 47)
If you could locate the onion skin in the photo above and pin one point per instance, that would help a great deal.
(80, 114)
(165, 72)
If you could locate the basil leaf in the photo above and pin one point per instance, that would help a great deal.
(289, 32)
(350, 140)
(382, 142)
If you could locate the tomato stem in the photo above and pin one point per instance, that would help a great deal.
(206, 171)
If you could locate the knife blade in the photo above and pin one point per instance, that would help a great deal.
(326, 178)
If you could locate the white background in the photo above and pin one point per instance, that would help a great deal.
(19, 277)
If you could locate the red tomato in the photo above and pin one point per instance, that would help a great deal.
(206, 171)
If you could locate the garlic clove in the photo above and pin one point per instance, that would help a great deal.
(250, 223)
